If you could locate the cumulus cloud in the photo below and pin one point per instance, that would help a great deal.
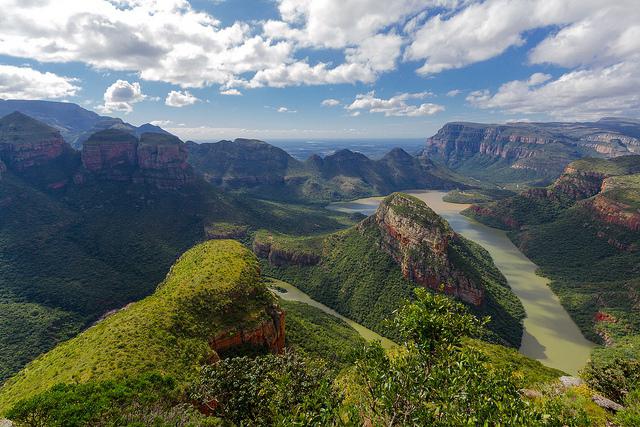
(231, 92)
(453, 93)
(330, 102)
(396, 106)
(161, 122)
(121, 96)
(180, 99)
(27, 83)
(285, 110)
(576, 95)
(486, 29)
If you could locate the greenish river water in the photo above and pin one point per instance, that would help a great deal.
(295, 294)
(550, 335)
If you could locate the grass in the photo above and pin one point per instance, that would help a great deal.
(69, 256)
(319, 334)
(213, 287)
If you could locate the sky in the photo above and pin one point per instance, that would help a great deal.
(212, 69)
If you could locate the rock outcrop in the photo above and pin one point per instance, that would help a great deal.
(269, 335)
(26, 143)
(156, 159)
(532, 150)
(419, 241)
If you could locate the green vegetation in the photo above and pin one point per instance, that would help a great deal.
(311, 245)
(268, 390)
(314, 332)
(149, 399)
(69, 256)
(435, 378)
(212, 288)
(592, 262)
(437, 381)
(624, 189)
(476, 195)
(361, 281)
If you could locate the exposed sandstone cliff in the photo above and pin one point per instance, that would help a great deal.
(269, 335)
(156, 159)
(26, 143)
(526, 150)
(419, 241)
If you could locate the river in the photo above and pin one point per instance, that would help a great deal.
(295, 294)
(550, 335)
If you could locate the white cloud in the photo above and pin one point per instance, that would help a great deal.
(582, 94)
(286, 110)
(120, 96)
(330, 102)
(231, 92)
(485, 30)
(608, 35)
(395, 106)
(27, 83)
(453, 93)
(180, 99)
(341, 23)
(161, 122)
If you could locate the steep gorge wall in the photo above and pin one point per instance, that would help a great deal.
(421, 248)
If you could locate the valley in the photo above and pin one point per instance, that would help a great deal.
(550, 335)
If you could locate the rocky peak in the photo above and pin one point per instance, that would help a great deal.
(26, 142)
(158, 159)
(419, 241)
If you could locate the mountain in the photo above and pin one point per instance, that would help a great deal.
(159, 159)
(75, 123)
(82, 236)
(263, 170)
(366, 271)
(211, 293)
(529, 152)
(584, 233)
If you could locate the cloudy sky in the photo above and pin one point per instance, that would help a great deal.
(324, 68)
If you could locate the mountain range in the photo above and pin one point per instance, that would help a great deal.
(115, 258)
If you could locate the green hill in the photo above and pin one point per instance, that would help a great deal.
(212, 288)
(70, 255)
(584, 233)
(366, 272)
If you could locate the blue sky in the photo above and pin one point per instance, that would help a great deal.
(209, 69)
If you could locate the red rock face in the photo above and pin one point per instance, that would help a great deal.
(114, 161)
(162, 165)
(269, 334)
(25, 155)
(421, 250)
(611, 212)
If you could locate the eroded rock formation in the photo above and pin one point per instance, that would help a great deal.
(419, 241)
(156, 159)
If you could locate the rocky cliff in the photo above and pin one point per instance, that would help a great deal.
(156, 159)
(26, 143)
(520, 151)
(420, 242)
(269, 335)
(580, 180)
